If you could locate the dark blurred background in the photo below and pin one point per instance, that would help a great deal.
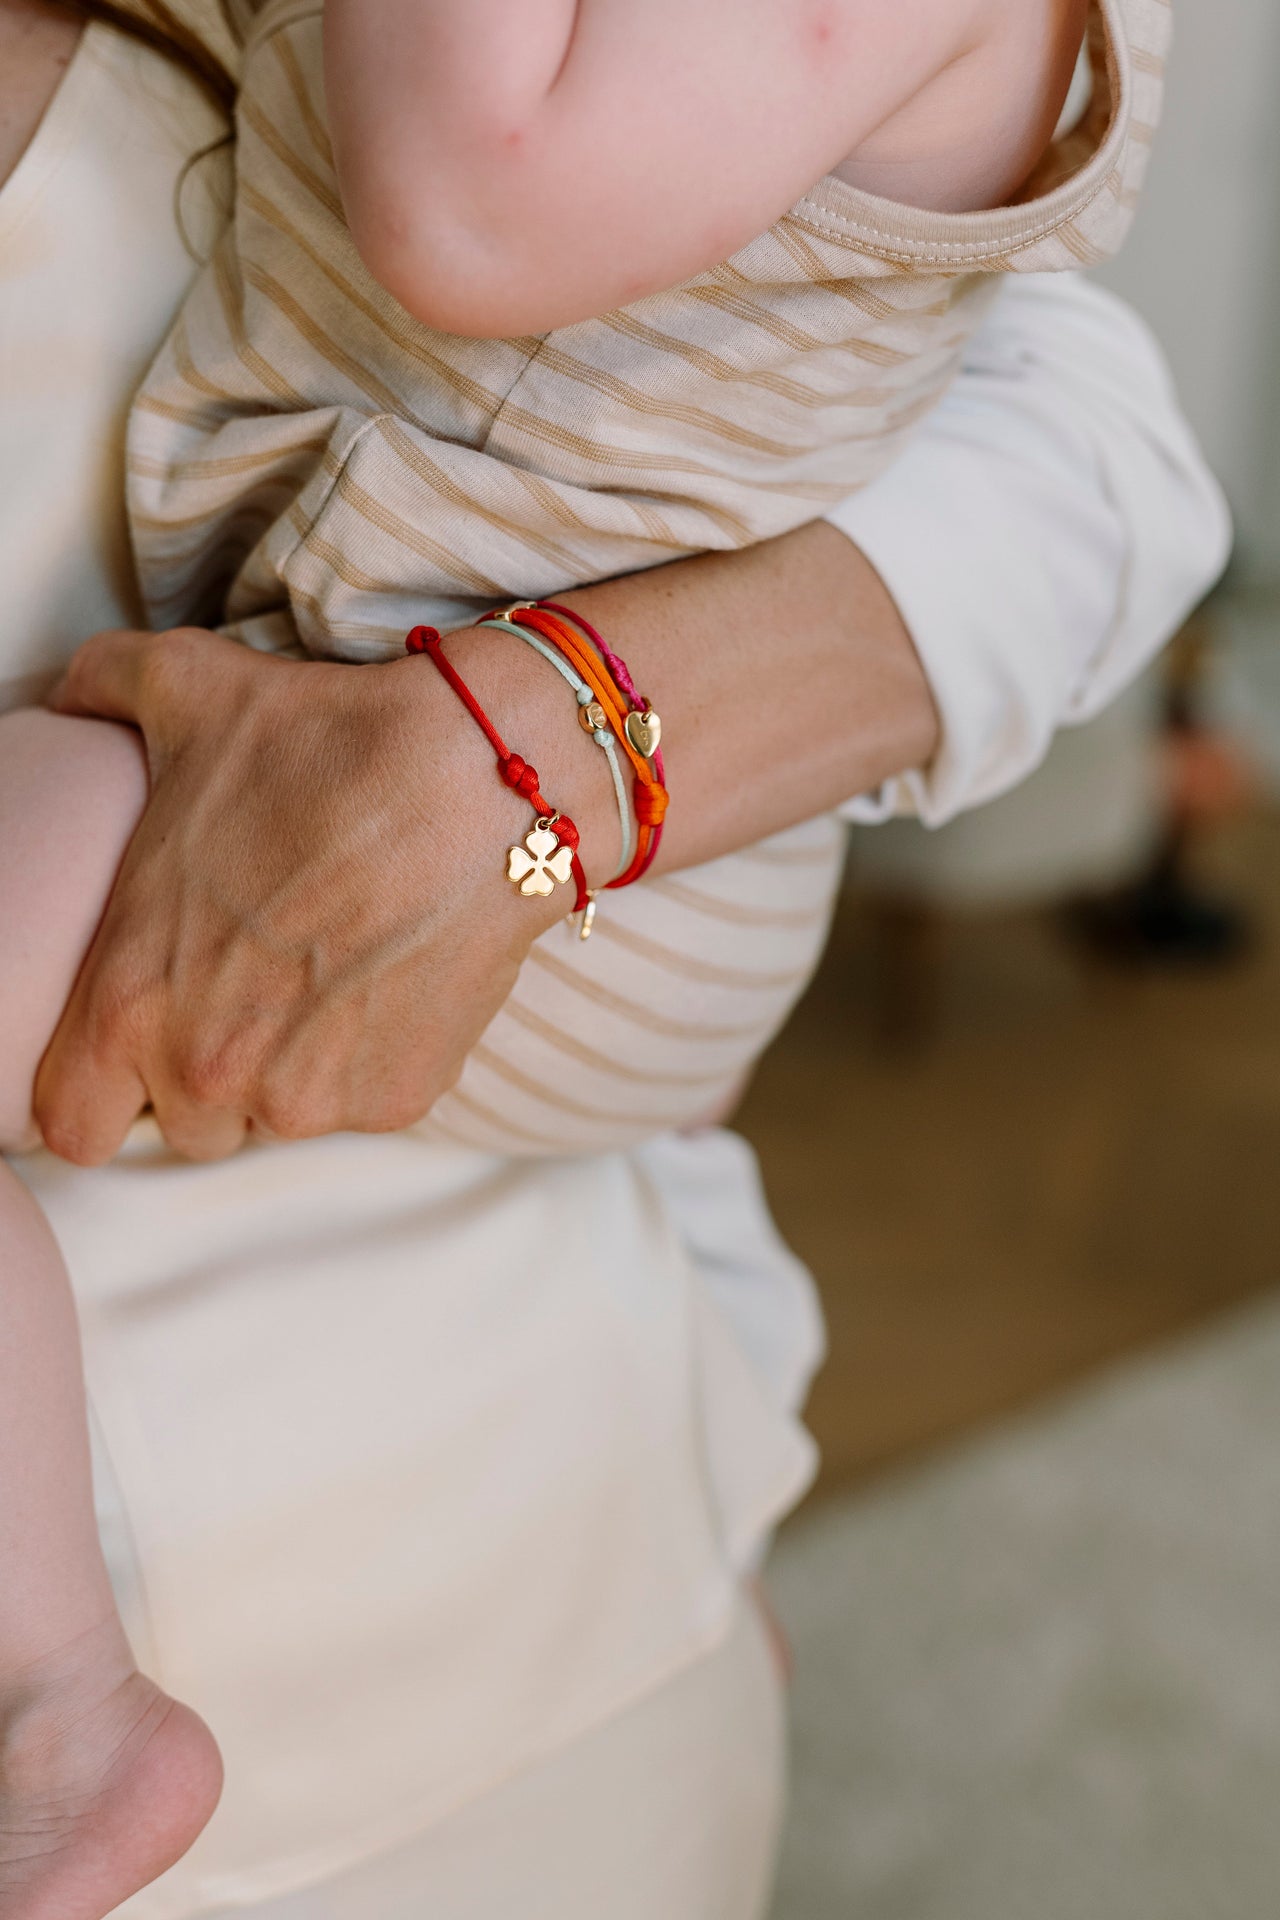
(1025, 1128)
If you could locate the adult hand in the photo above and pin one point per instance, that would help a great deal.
(312, 924)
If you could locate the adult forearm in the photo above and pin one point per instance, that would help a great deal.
(313, 938)
(785, 679)
(790, 680)
(1046, 528)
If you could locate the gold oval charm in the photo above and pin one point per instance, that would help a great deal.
(593, 719)
(644, 731)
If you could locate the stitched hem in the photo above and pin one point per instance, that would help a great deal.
(893, 231)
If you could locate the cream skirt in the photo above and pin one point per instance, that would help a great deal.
(420, 1465)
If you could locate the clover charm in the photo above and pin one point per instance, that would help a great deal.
(541, 864)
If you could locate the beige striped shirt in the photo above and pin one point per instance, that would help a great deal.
(309, 464)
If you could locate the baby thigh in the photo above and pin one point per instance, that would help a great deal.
(71, 792)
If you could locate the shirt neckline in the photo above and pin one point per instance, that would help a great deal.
(55, 136)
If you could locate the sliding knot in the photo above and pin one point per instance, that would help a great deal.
(651, 805)
(519, 774)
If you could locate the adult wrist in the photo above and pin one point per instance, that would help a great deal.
(536, 715)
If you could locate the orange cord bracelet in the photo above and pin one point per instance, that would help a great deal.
(635, 726)
(549, 855)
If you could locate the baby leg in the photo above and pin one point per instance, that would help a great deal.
(104, 1780)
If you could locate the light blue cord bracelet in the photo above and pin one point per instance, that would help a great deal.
(601, 735)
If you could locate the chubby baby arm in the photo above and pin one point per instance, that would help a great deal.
(511, 166)
(71, 793)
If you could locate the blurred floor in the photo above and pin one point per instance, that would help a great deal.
(1075, 1163)
(1037, 1679)
(1037, 1668)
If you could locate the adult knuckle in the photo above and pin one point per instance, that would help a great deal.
(120, 1008)
(63, 1137)
(158, 664)
(289, 1115)
(211, 1077)
(171, 667)
(399, 1111)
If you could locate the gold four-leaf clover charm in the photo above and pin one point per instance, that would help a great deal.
(541, 863)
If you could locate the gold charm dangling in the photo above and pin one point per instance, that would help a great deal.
(588, 915)
(644, 731)
(542, 863)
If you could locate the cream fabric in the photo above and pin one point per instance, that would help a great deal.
(671, 1810)
(310, 465)
(93, 194)
(417, 1463)
(430, 1463)
(304, 446)
(1046, 531)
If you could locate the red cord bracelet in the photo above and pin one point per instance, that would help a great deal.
(634, 724)
(549, 855)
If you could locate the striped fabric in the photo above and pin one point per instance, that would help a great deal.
(308, 465)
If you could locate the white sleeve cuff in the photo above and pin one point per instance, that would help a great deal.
(1046, 531)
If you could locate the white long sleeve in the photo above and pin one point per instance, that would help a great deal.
(1043, 535)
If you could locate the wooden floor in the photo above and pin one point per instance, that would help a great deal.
(1077, 1163)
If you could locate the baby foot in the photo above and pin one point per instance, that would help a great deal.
(104, 1782)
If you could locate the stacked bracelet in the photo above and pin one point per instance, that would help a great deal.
(617, 708)
(620, 721)
(549, 856)
(643, 723)
(585, 696)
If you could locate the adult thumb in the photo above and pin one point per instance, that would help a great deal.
(106, 677)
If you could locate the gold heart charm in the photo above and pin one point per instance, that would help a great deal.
(644, 731)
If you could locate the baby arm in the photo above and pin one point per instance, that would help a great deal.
(509, 166)
(104, 1780)
(71, 792)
